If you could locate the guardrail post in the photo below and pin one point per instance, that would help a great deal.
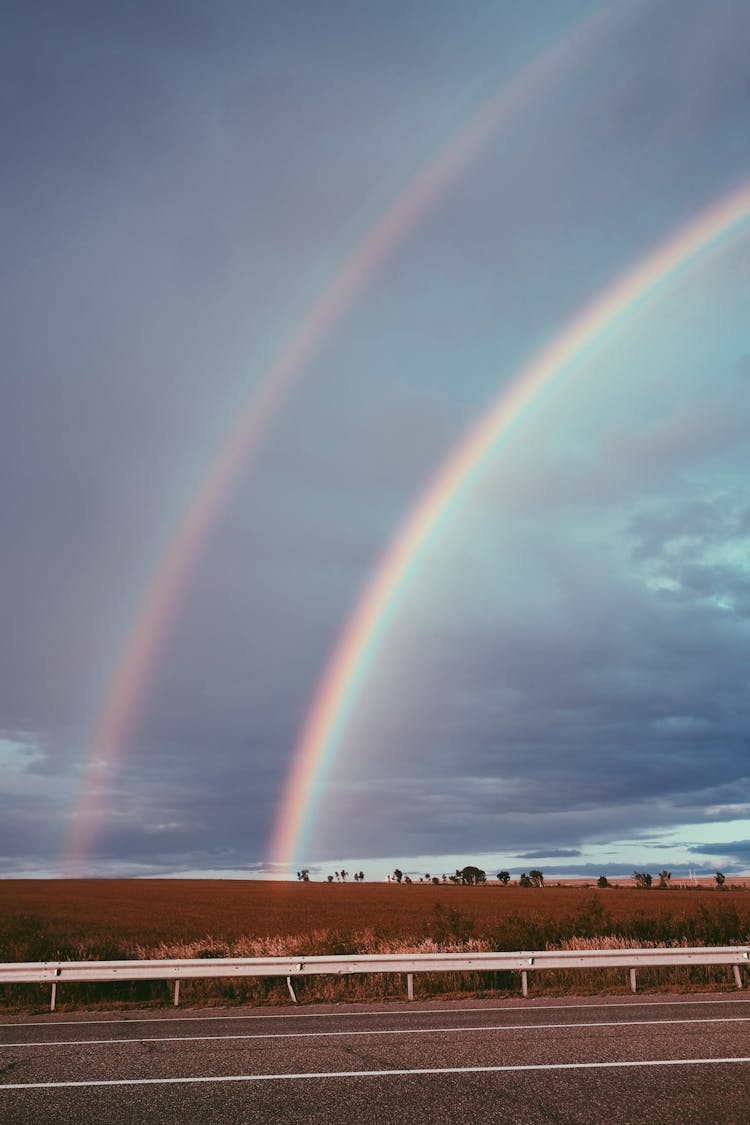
(53, 998)
(737, 975)
(632, 980)
(410, 986)
(524, 982)
(291, 990)
(176, 992)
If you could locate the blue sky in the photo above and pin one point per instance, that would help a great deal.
(566, 678)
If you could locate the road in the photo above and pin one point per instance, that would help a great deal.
(653, 1059)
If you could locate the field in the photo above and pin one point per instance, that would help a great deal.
(113, 919)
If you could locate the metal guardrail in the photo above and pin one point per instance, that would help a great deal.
(523, 962)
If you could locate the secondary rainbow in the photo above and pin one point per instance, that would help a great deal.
(159, 604)
(357, 646)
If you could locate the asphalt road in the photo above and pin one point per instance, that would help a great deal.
(657, 1060)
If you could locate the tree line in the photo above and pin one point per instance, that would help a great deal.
(340, 876)
(468, 876)
(472, 876)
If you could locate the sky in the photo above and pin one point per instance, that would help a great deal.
(377, 214)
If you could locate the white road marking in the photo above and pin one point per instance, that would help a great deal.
(400, 1073)
(51, 1021)
(377, 1031)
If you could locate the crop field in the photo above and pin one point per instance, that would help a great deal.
(114, 919)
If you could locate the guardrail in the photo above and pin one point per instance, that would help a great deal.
(523, 962)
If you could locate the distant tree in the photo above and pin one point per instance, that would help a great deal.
(435, 881)
(720, 879)
(642, 879)
(664, 878)
(398, 875)
(407, 880)
(602, 881)
(330, 878)
(537, 878)
(503, 877)
(471, 876)
(524, 880)
(304, 875)
(361, 876)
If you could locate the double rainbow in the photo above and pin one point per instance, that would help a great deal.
(159, 605)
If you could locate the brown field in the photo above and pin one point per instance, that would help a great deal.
(151, 912)
(113, 919)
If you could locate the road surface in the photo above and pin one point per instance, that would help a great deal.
(662, 1059)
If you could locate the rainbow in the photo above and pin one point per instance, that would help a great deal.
(127, 688)
(358, 643)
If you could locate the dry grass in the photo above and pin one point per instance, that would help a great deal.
(113, 919)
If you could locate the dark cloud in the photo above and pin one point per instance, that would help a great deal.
(736, 851)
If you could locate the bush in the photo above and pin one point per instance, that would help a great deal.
(449, 925)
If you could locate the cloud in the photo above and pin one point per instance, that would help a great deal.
(737, 852)
(553, 853)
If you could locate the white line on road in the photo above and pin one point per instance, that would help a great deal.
(376, 1031)
(371, 1073)
(413, 1010)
